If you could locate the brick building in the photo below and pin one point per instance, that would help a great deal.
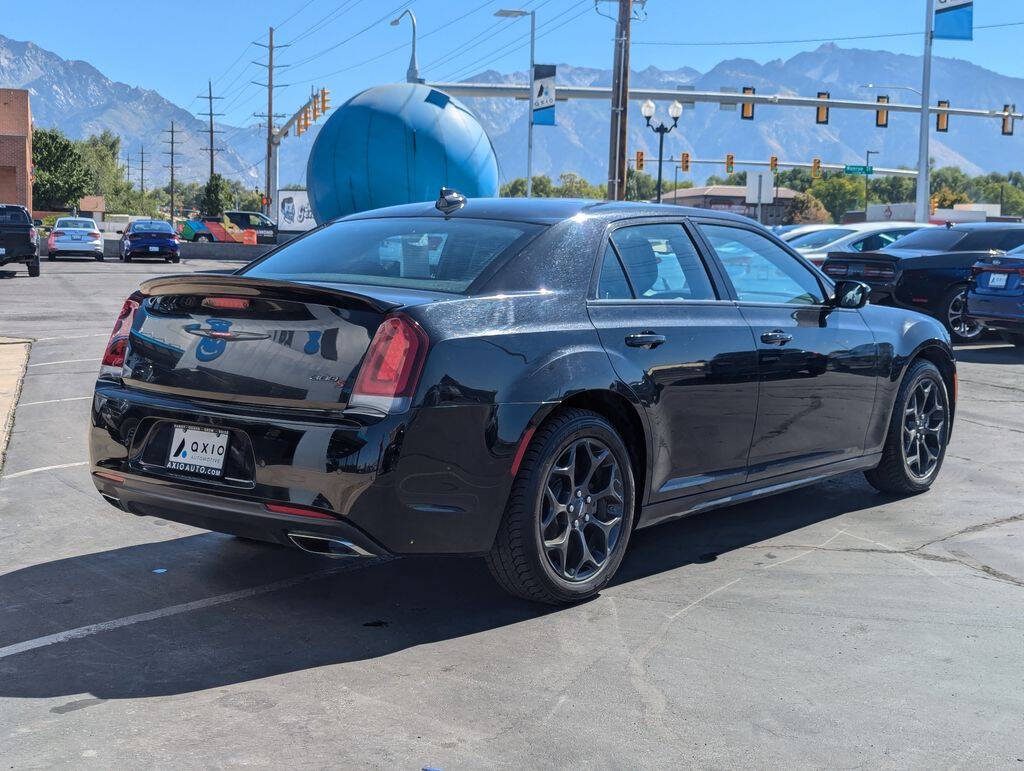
(15, 147)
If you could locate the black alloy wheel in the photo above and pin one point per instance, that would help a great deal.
(924, 429)
(962, 328)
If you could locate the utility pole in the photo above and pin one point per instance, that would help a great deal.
(210, 114)
(128, 167)
(171, 167)
(270, 177)
(867, 178)
(922, 209)
(142, 170)
(620, 104)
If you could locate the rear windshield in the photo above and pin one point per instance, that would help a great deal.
(939, 239)
(415, 252)
(819, 238)
(69, 223)
(152, 226)
(13, 215)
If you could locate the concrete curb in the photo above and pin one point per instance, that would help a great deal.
(13, 361)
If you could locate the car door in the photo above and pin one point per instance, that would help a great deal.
(817, 365)
(684, 349)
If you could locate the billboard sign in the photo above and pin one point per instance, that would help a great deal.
(293, 210)
(544, 94)
(954, 19)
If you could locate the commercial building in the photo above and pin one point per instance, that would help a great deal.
(733, 198)
(15, 147)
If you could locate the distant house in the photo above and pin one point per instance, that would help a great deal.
(733, 198)
(94, 206)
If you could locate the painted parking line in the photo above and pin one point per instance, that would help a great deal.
(26, 472)
(64, 361)
(54, 401)
(70, 337)
(185, 607)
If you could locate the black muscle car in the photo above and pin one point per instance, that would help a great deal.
(930, 270)
(527, 380)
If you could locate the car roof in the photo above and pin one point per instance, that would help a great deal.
(865, 227)
(971, 226)
(546, 211)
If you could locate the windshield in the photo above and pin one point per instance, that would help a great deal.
(1019, 250)
(420, 253)
(819, 238)
(152, 226)
(73, 223)
(939, 239)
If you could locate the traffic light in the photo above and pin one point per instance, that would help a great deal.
(773, 164)
(264, 200)
(821, 117)
(933, 204)
(314, 107)
(1008, 120)
(942, 118)
(816, 168)
(639, 160)
(325, 100)
(684, 162)
(882, 116)
(730, 161)
(299, 128)
(747, 108)
(305, 119)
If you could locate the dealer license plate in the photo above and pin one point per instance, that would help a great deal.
(198, 450)
(996, 280)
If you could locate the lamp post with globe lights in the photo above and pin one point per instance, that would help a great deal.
(674, 111)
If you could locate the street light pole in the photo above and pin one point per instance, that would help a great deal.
(412, 75)
(923, 190)
(509, 13)
(674, 111)
(867, 177)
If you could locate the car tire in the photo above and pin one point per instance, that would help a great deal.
(127, 258)
(33, 268)
(51, 257)
(1013, 338)
(175, 260)
(918, 433)
(962, 329)
(593, 545)
(99, 258)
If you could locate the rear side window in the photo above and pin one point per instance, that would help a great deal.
(13, 215)
(444, 255)
(820, 238)
(662, 263)
(938, 239)
(982, 240)
(1012, 239)
(613, 284)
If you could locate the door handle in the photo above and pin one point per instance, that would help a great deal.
(776, 337)
(644, 340)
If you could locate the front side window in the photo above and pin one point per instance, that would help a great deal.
(416, 252)
(662, 263)
(760, 270)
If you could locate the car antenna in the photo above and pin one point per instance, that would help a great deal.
(449, 201)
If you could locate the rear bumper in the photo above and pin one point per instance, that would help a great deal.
(144, 251)
(1005, 312)
(434, 480)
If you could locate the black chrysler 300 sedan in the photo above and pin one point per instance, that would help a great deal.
(528, 380)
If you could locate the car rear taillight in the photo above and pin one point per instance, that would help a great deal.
(391, 368)
(57, 233)
(94, 234)
(879, 271)
(117, 346)
(836, 268)
(33, 235)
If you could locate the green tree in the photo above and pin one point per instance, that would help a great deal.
(640, 186)
(805, 209)
(542, 188)
(216, 196)
(946, 198)
(795, 179)
(838, 194)
(61, 176)
(950, 178)
(572, 185)
(893, 189)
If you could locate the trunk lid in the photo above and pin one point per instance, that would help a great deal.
(255, 341)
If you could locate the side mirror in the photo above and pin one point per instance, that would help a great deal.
(37, 223)
(851, 294)
(120, 232)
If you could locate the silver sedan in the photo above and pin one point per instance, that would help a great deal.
(75, 236)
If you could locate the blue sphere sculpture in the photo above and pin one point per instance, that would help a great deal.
(395, 144)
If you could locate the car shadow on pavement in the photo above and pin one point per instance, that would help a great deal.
(364, 611)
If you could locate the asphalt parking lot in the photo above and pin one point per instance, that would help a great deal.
(827, 626)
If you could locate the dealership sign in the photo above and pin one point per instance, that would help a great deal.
(954, 19)
(544, 94)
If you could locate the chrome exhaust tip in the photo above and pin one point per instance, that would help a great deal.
(327, 546)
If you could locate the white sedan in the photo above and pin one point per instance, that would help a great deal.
(860, 237)
(77, 236)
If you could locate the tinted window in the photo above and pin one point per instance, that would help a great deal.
(877, 241)
(939, 239)
(662, 263)
(819, 238)
(421, 253)
(13, 215)
(984, 239)
(760, 270)
(1012, 239)
(613, 284)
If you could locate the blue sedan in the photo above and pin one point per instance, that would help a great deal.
(150, 238)
(995, 296)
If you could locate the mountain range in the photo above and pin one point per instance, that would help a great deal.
(78, 99)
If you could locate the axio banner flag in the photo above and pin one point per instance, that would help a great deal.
(954, 19)
(544, 94)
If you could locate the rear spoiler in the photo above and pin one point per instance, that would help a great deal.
(245, 286)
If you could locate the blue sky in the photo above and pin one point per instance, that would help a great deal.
(348, 45)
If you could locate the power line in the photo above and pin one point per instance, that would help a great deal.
(142, 169)
(210, 114)
(481, 37)
(838, 38)
(333, 15)
(354, 35)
